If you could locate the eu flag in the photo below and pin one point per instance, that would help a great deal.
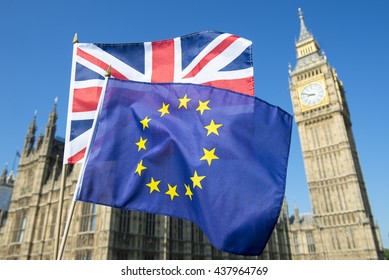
(210, 155)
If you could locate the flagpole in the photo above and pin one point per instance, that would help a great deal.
(49, 202)
(58, 254)
(16, 156)
(59, 211)
(66, 231)
(73, 205)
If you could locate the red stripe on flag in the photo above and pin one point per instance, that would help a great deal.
(114, 73)
(86, 99)
(77, 157)
(163, 61)
(211, 55)
(244, 85)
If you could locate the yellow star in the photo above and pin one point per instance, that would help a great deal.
(184, 101)
(141, 144)
(172, 191)
(203, 106)
(212, 128)
(145, 122)
(153, 185)
(188, 191)
(196, 179)
(140, 168)
(164, 110)
(209, 155)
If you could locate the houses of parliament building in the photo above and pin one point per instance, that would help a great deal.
(341, 225)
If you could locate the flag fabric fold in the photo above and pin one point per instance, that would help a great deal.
(213, 58)
(209, 155)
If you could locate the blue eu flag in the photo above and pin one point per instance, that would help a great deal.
(209, 155)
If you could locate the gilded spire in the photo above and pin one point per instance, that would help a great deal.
(304, 33)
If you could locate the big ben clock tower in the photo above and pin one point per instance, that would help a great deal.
(341, 210)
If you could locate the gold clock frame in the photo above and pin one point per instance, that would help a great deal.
(324, 101)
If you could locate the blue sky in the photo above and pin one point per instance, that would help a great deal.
(36, 51)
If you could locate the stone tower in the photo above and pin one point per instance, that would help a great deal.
(36, 174)
(342, 219)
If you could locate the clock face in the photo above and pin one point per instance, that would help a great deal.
(312, 94)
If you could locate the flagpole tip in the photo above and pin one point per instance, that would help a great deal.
(108, 73)
(75, 39)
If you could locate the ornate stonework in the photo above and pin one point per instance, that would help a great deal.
(341, 226)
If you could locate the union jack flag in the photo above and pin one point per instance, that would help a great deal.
(212, 58)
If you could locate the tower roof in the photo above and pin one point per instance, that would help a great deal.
(307, 48)
(304, 33)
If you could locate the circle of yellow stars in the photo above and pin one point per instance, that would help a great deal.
(209, 155)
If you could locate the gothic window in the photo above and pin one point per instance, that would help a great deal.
(121, 255)
(296, 243)
(310, 242)
(124, 221)
(197, 238)
(176, 229)
(39, 229)
(339, 198)
(19, 227)
(201, 241)
(3, 218)
(88, 217)
(329, 200)
(335, 240)
(180, 230)
(83, 255)
(150, 224)
(53, 222)
(148, 257)
(350, 239)
(30, 177)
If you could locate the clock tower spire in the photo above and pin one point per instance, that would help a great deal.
(304, 34)
(342, 225)
(306, 44)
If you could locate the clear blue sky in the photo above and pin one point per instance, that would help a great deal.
(36, 51)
